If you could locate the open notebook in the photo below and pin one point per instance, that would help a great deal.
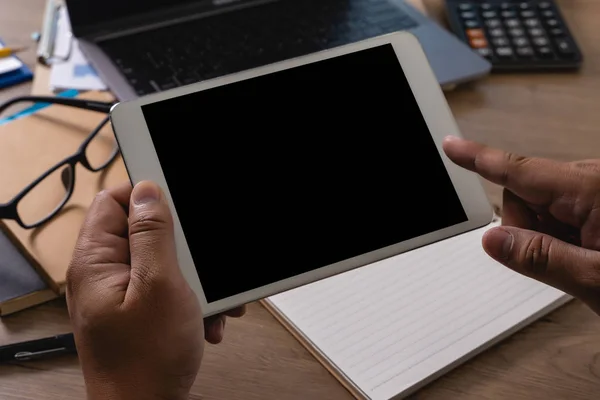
(389, 328)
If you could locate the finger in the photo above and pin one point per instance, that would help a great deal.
(569, 268)
(535, 180)
(518, 214)
(151, 238)
(515, 211)
(108, 212)
(236, 312)
(548, 224)
(102, 238)
(122, 194)
(214, 328)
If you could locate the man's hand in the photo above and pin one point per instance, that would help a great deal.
(138, 325)
(550, 218)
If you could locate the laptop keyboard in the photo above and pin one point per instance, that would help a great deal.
(206, 48)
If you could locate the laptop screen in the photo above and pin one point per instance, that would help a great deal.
(85, 13)
(285, 173)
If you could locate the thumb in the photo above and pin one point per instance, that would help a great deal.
(151, 238)
(571, 269)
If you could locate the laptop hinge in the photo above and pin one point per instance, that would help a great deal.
(128, 26)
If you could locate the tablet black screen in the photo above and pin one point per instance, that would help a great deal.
(286, 173)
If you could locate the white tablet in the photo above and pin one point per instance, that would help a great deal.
(296, 171)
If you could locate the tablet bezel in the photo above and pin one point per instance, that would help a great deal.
(142, 162)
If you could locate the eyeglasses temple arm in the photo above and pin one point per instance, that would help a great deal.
(91, 105)
(3, 206)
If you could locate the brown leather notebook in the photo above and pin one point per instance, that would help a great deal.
(30, 146)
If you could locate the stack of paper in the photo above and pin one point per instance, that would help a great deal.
(70, 69)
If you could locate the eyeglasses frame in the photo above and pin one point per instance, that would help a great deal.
(9, 210)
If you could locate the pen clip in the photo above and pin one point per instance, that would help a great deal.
(28, 355)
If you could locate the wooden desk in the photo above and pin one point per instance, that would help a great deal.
(557, 357)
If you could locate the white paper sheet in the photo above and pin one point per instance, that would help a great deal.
(75, 72)
(393, 326)
(9, 64)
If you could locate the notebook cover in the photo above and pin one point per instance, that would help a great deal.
(31, 145)
(20, 284)
(23, 74)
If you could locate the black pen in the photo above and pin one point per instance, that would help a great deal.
(39, 348)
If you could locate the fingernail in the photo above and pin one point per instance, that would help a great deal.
(145, 192)
(221, 327)
(499, 242)
(450, 138)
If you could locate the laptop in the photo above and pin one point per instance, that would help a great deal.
(140, 47)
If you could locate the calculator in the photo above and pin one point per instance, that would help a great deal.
(515, 35)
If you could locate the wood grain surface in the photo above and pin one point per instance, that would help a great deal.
(552, 115)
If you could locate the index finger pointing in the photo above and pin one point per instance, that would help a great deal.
(536, 180)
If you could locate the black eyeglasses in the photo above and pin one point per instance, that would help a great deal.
(96, 153)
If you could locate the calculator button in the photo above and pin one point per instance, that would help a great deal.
(500, 42)
(544, 5)
(536, 32)
(516, 32)
(470, 24)
(524, 52)
(557, 32)
(475, 33)
(544, 52)
(478, 43)
(513, 23)
(547, 14)
(489, 14)
(465, 6)
(521, 42)
(527, 14)
(485, 52)
(468, 15)
(507, 6)
(493, 23)
(552, 23)
(504, 52)
(532, 22)
(524, 6)
(508, 14)
(564, 47)
(540, 41)
(497, 32)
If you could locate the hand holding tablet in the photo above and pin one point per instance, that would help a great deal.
(290, 173)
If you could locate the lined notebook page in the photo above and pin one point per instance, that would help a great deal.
(392, 326)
